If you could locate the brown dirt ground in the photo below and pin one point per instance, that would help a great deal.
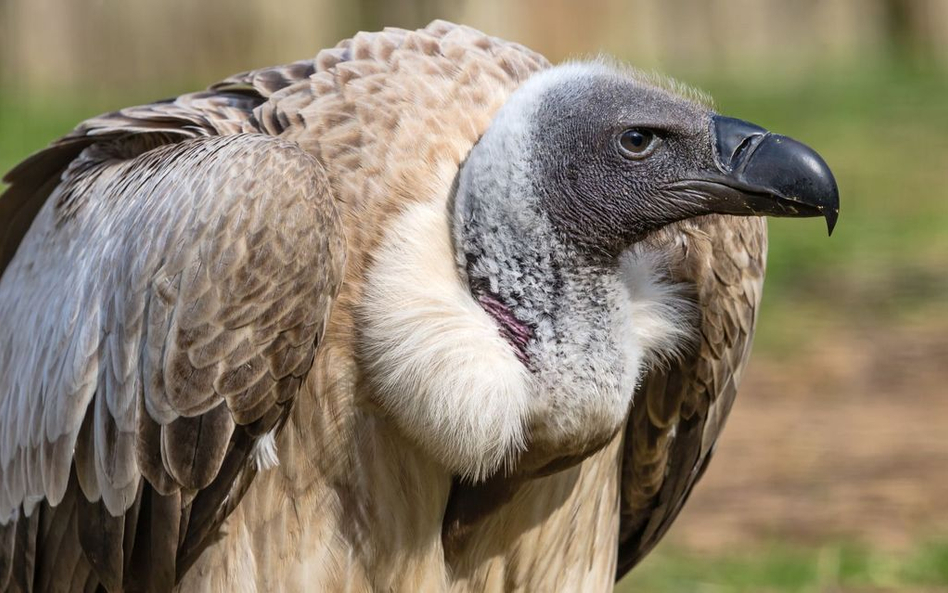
(846, 442)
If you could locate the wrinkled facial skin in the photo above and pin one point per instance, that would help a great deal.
(596, 196)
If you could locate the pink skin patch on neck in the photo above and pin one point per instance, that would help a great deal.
(517, 333)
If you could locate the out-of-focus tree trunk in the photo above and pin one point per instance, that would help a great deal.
(917, 29)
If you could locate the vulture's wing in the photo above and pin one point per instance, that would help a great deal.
(679, 411)
(224, 108)
(156, 322)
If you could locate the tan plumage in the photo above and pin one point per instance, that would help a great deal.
(162, 314)
(680, 410)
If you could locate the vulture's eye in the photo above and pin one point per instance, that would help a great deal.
(636, 142)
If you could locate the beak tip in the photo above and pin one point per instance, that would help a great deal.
(794, 176)
(831, 216)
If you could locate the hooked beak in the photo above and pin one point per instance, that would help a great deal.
(760, 173)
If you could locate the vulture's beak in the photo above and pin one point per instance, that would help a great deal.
(768, 174)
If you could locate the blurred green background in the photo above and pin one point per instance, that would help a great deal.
(832, 474)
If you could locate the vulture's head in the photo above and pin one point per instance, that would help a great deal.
(566, 300)
(608, 156)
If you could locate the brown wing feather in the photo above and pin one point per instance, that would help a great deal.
(224, 108)
(175, 300)
(679, 411)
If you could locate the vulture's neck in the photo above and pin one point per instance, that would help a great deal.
(584, 325)
(493, 344)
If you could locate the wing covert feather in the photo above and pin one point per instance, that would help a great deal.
(678, 412)
(158, 306)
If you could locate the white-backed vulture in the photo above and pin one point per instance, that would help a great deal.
(423, 313)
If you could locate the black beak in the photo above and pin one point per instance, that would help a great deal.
(767, 174)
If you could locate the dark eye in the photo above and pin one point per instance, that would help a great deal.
(636, 142)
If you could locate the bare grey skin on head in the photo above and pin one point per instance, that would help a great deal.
(583, 163)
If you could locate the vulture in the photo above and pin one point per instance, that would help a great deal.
(422, 313)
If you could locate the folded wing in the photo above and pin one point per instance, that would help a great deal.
(679, 411)
(158, 319)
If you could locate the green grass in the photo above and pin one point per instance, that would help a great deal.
(25, 128)
(784, 569)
